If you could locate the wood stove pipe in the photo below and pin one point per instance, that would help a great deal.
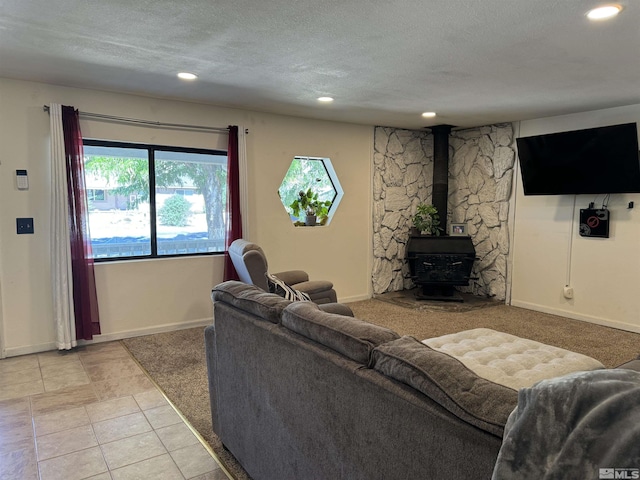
(440, 191)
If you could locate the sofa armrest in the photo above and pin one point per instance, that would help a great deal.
(632, 365)
(291, 277)
(339, 308)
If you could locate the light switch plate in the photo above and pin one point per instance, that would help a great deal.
(24, 225)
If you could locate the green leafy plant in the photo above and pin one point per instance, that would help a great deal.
(308, 203)
(175, 211)
(302, 174)
(426, 219)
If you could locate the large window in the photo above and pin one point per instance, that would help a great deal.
(154, 201)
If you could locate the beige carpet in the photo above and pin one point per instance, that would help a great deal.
(610, 346)
(176, 360)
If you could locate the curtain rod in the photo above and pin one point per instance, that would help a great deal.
(149, 122)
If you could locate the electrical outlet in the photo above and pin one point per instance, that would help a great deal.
(568, 292)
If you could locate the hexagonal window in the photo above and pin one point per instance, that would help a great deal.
(310, 191)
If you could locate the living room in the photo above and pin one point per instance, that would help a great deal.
(540, 249)
(496, 74)
(143, 297)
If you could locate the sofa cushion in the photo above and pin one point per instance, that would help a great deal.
(509, 360)
(632, 365)
(447, 381)
(348, 336)
(250, 298)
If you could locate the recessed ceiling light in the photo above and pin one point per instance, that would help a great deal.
(604, 12)
(187, 76)
(325, 99)
(429, 114)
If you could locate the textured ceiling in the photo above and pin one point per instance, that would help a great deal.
(474, 62)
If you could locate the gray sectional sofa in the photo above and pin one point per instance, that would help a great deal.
(300, 393)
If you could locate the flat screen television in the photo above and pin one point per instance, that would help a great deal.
(595, 160)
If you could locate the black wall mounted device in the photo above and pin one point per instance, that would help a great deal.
(594, 222)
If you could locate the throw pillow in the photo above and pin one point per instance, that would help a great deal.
(278, 287)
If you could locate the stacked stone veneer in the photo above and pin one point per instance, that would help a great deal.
(481, 164)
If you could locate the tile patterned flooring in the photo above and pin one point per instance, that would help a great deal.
(93, 414)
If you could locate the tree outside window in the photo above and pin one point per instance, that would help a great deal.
(159, 200)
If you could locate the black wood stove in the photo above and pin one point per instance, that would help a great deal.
(440, 263)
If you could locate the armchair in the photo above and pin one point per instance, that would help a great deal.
(251, 264)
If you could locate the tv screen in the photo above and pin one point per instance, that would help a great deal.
(595, 160)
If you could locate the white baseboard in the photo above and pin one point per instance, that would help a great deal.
(109, 337)
(355, 298)
(170, 327)
(630, 327)
(26, 350)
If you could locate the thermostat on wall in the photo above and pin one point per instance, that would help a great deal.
(22, 180)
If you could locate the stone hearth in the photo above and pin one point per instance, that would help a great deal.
(480, 182)
(407, 299)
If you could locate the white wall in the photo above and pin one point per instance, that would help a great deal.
(548, 251)
(138, 297)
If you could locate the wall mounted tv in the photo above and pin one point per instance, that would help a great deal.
(591, 161)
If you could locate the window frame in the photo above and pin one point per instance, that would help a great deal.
(93, 196)
(153, 234)
(332, 175)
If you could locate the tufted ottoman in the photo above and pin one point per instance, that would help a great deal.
(509, 360)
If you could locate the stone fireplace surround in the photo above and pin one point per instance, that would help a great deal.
(481, 172)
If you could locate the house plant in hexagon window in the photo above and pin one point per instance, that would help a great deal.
(310, 191)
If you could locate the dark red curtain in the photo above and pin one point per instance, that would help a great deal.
(234, 221)
(85, 299)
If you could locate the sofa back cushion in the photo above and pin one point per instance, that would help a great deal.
(351, 337)
(251, 299)
(447, 381)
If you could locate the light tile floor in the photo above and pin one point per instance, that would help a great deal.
(93, 414)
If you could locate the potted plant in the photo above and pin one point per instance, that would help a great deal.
(426, 219)
(313, 208)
